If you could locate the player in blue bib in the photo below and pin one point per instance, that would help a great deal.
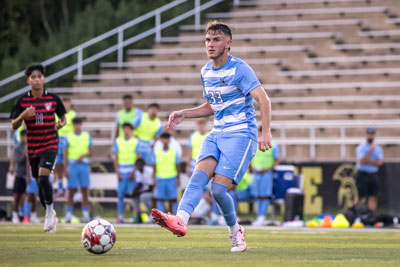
(229, 87)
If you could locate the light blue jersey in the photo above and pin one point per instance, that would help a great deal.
(228, 88)
(362, 151)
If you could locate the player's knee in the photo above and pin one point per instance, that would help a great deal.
(218, 190)
(199, 180)
(44, 179)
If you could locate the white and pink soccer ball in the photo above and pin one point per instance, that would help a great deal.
(98, 236)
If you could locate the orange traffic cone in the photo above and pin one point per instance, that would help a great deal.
(326, 222)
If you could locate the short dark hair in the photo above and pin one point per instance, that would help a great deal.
(140, 161)
(219, 26)
(154, 105)
(127, 97)
(77, 120)
(34, 66)
(165, 135)
(66, 99)
(126, 124)
(23, 132)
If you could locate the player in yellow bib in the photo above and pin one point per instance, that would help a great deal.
(125, 154)
(166, 174)
(129, 114)
(62, 134)
(77, 150)
(195, 141)
(263, 164)
(147, 128)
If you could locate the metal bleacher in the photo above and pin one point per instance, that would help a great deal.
(330, 67)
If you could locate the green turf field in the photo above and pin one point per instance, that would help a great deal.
(153, 246)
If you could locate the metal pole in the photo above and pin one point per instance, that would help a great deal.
(158, 30)
(197, 15)
(283, 138)
(120, 47)
(343, 145)
(8, 143)
(79, 76)
(312, 143)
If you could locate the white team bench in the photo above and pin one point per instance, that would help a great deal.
(98, 181)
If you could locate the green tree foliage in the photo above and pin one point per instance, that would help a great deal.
(35, 30)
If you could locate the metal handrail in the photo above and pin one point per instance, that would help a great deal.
(159, 26)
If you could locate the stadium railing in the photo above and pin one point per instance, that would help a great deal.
(282, 126)
(119, 46)
(293, 2)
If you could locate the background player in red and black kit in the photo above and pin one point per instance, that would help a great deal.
(38, 108)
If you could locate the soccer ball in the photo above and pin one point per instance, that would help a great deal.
(98, 236)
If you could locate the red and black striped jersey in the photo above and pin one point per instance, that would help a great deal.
(41, 132)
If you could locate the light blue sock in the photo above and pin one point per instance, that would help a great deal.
(233, 196)
(174, 207)
(85, 209)
(225, 202)
(60, 185)
(20, 210)
(193, 192)
(215, 208)
(262, 207)
(259, 208)
(69, 208)
(160, 205)
(120, 206)
(27, 209)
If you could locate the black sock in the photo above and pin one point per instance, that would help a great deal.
(41, 197)
(47, 189)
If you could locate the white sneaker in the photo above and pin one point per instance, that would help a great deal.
(50, 222)
(259, 222)
(237, 240)
(35, 220)
(15, 220)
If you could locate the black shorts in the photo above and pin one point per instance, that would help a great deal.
(46, 160)
(19, 185)
(367, 184)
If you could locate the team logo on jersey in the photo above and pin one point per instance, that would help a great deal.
(223, 83)
(47, 106)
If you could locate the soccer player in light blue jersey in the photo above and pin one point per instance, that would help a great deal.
(229, 87)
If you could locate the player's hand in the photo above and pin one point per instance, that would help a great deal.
(29, 112)
(131, 177)
(60, 123)
(119, 176)
(80, 159)
(372, 147)
(28, 179)
(264, 141)
(178, 181)
(175, 118)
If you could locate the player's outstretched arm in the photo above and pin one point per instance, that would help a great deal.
(177, 117)
(264, 141)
